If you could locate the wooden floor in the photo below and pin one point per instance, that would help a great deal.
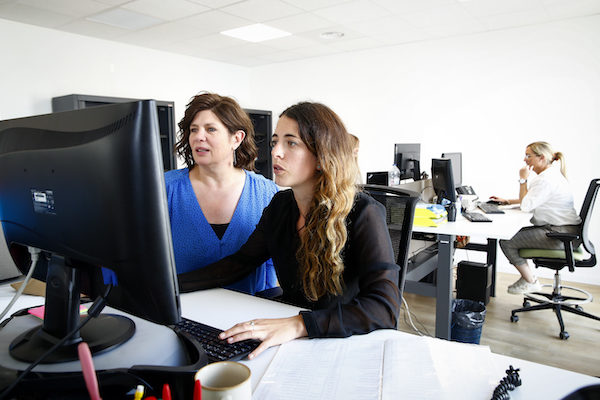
(535, 337)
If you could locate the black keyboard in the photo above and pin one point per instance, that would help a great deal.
(215, 348)
(475, 217)
(490, 208)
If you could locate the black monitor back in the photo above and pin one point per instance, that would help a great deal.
(88, 185)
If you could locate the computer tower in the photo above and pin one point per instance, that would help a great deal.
(474, 281)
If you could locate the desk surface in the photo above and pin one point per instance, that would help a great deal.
(223, 308)
(228, 308)
(503, 226)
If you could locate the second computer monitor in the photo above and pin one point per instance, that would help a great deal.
(442, 179)
(407, 158)
(456, 167)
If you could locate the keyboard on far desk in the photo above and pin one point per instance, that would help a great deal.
(215, 348)
(475, 217)
(490, 208)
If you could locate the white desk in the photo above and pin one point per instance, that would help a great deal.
(226, 308)
(223, 308)
(503, 226)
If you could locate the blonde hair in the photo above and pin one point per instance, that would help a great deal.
(546, 150)
(323, 240)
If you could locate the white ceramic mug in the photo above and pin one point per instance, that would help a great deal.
(225, 380)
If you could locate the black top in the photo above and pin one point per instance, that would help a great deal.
(371, 298)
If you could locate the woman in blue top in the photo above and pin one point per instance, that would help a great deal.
(216, 201)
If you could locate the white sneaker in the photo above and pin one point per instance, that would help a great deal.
(522, 286)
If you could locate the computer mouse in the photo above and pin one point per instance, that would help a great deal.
(494, 202)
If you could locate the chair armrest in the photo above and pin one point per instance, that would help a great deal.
(273, 293)
(563, 237)
(567, 239)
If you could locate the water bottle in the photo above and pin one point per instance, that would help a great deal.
(394, 176)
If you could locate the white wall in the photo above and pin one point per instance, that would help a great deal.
(487, 95)
(38, 64)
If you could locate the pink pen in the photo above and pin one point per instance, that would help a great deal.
(89, 372)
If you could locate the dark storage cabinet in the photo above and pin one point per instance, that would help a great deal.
(166, 118)
(263, 130)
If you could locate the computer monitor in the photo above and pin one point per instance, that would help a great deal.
(378, 178)
(407, 158)
(456, 167)
(443, 182)
(87, 188)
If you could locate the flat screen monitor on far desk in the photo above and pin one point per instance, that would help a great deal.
(86, 188)
(407, 157)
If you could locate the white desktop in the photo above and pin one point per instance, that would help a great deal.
(224, 308)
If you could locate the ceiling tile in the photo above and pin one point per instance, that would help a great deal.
(311, 5)
(318, 51)
(381, 25)
(316, 35)
(357, 44)
(290, 42)
(33, 16)
(262, 10)
(73, 8)
(215, 21)
(408, 36)
(405, 6)
(179, 32)
(216, 41)
(515, 19)
(485, 8)
(348, 13)
(113, 2)
(94, 29)
(214, 4)
(437, 16)
(169, 10)
(300, 23)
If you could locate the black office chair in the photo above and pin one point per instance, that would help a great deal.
(559, 259)
(400, 209)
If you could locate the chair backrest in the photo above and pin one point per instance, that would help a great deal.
(586, 213)
(400, 211)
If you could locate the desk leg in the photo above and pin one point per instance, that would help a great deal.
(444, 286)
(491, 260)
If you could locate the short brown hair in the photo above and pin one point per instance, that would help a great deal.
(231, 114)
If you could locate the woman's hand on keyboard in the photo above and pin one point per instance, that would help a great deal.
(271, 332)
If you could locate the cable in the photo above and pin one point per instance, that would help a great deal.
(411, 322)
(93, 312)
(35, 256)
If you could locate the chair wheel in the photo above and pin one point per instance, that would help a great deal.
(564, 335)
(514, 318)
(579, 308)
(526, 303)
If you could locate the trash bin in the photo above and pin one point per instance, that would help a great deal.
(467, 320)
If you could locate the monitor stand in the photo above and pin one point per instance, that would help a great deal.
(62, 315)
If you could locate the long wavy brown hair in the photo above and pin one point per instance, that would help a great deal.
(322, 242)
(231, 114)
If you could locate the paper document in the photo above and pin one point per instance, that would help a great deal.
(410, 367)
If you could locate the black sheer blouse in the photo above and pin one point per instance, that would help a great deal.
(371, 298)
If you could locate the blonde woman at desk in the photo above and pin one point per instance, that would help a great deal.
(329, 242)
(550, 199)
(216, 201)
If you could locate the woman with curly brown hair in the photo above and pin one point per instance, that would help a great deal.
(329, 242)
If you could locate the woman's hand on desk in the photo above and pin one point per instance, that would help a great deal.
(271, 332)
